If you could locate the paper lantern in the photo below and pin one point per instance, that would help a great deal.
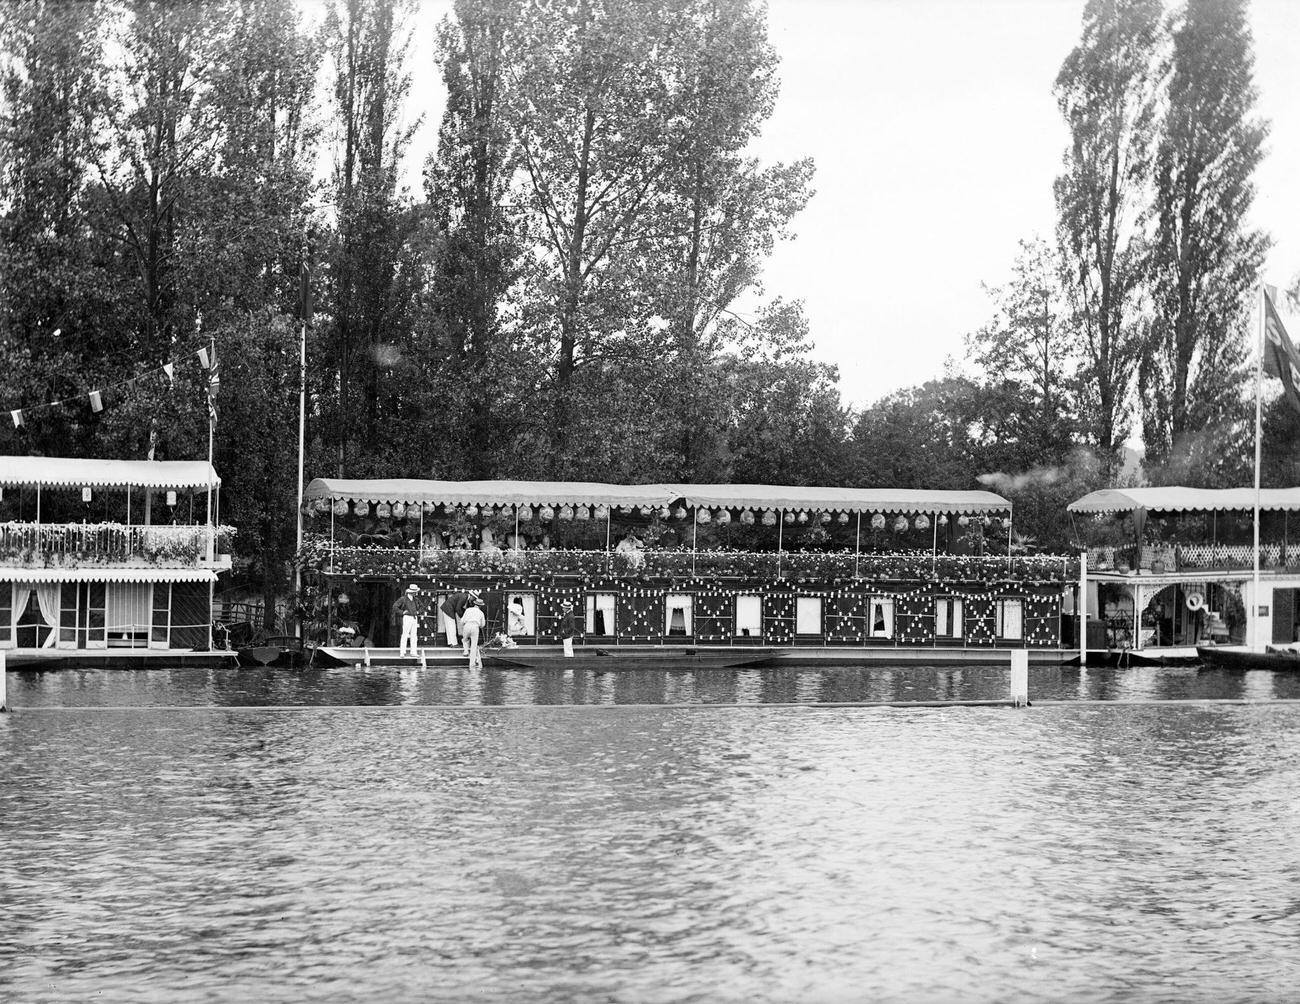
(582, 512)
(724, 517)
(878, 521)
(922, 522)
(943, 519)
(680, 512)
(900, 524)
(702, 516)
(664, 512)
(769, 518)
(383, 510)
(430, 508)
(843, 518)
(963, 520)
(789, 517)
(471, 511)
(602, 512)
(547, 514)
(826, 517)
(566, 512)
(340, 508)
(746, 517)
(361, 509)
(399, 510)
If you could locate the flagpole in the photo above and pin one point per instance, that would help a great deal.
(302, 437)
(212, 428)
(1259, 411)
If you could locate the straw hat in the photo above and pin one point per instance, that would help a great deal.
(566, 605)
(412, 588)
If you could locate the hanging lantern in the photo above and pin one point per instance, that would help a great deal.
(724, 517)
(789, 517)
(471, 511)
(399, 510)
(361, 509)
(430, 508)
(769, 518)
(547, 514)
(987, 521)
(566, 513)
(803, 517)
(900, 524)
(340, 508)
(1006, 522)
(963, 521)
(581, 512)
(383, 510)
(702, 515)
(680, 512)
(943, 519)
(746, 517)
(826, 517)
(602, 512)
(878, 521)
(843, 518)
(922, 522)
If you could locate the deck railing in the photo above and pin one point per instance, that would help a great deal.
(399, 561)
(70, 545)
(1158, 559)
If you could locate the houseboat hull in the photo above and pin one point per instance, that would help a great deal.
(129, 659)
(1244, 658)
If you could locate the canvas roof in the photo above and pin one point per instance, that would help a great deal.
(1177, 499)
(79, 472)
(892, 500)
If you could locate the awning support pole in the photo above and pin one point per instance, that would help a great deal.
(1008, 540)
(695, 529)
(857, 547)
(331, 535)
(609, 518)
(780, 528)
(934, 544)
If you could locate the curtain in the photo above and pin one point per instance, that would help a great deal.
(47, 596)
(882, 618)
(808, 615)
(679, 614)
(749, 616)
(600, 613)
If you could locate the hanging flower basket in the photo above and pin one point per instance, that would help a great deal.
(664, 512)
(361, 509)
(746, 517)
(922, 522)
(826, 518)
(724, 517)
(943, 519)
(769, 518)
(900, 524)
(680, 512)
(1006, 522)
(566, 513)
(878, 521)
(430, 508)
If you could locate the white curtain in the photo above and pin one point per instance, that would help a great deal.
(882, 617)
(808, 615)
(601, 604)
(678, 609)
(749, 616)
(47, 596)
(1012, 618)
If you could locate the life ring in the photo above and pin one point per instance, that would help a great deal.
(1195, 601)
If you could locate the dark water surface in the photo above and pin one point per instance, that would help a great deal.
(381, 685)
(1093, 852)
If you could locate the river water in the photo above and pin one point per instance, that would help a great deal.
(165, 838)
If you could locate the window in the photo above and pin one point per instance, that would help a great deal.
(808, 615)
(677, 614)
(947, 617)
(521, 614)
(6, 614)
(600, 613)
(130, 614)
(162, 615)
(880, 619)
(749, 616)
(1010, 615)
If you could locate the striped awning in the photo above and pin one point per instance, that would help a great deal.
(80, 472)
(91, 574)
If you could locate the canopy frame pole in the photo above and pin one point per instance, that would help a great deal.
(331, 535)
(420, 545)
(695, 529)
(857, 546)
(517, 547)
(609, 519)
(1008, 540)
(934, 543)
(1252, 620)
(780, 529)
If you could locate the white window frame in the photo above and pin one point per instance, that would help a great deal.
(1000, 615)
(886, 604)
(949, 609)
(808, 609)
(743, 619)
(687, 605)
(611, 614)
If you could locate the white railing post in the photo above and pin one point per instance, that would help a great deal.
(1020, 677)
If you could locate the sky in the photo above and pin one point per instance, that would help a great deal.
(936, 140)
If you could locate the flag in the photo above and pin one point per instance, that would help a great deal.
(17, 416)
(1281, 359)
(203, 358)
(214, 384)
(169, 369)
(96, 401)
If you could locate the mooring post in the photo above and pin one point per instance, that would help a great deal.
(367, 655)
(4, 694)
(424, 661)
(1020, 677)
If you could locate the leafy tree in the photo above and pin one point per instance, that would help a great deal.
(1205, 258)
(1105, 91)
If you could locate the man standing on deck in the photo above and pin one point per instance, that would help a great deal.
(454, 606)
(471, 624)
(408, 608)
(567, 628)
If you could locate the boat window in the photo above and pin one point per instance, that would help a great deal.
(749, 616)
(677, 614)
(130, 614)
(881, 621)
(1010, 619)
(6, 614)
(808, 615)
(947, 617)
(521, 614)
(600, 613)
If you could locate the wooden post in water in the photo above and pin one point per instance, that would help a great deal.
(1020, 677)
(4, 696)
(1081, 608)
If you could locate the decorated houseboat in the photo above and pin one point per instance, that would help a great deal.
(108, 562)
(1172, 574)
(717, 575)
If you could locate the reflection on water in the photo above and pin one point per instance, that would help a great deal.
(1095, 852)
(794, 685)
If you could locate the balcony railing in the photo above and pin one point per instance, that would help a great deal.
(1158, 559)
(73, 545)
(396, 561)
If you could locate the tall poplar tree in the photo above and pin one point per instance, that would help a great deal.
(1205, 257)
(1105, 91)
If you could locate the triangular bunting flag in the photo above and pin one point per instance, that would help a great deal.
(169, 369)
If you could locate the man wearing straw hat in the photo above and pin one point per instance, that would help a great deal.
(454, 606)
(567, 628)
(408, 607)
(472, 623)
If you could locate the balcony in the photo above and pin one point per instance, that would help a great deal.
(374, 561)
(1167, 558)
(82, 545)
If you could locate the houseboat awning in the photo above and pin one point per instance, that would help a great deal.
(487, 492)
(70, 472)
(92, 574)
(812, 499)
(1176, 499)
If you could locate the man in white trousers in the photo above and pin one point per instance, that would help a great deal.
(408, 608)
(472, 623)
